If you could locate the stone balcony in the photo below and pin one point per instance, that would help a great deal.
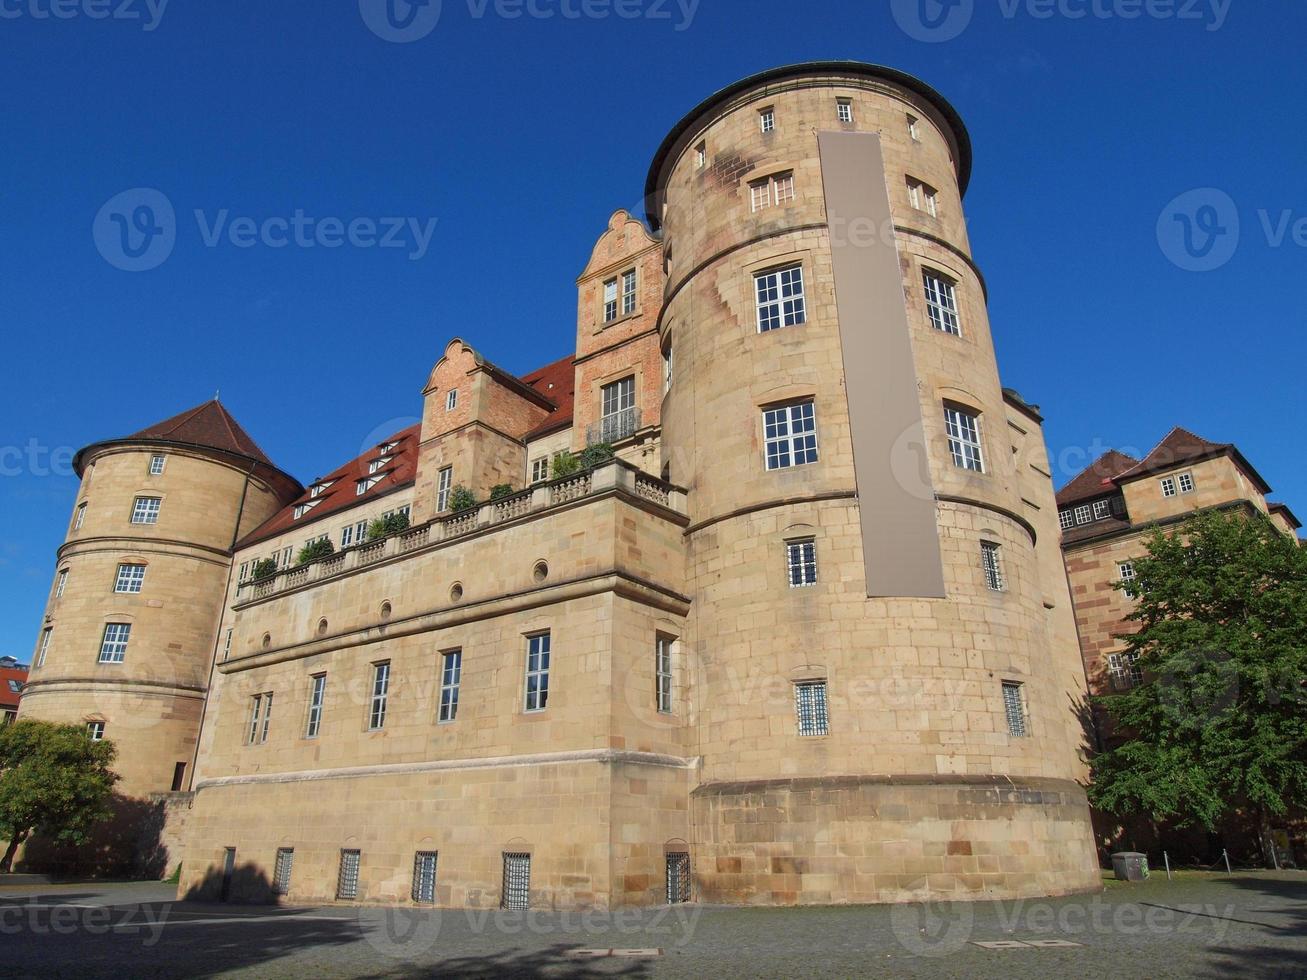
(613, 476)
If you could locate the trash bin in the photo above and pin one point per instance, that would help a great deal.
(1130, 866)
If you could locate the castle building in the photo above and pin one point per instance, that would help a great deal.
(806, 638)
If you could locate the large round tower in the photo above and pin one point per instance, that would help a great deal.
(887, 675)
(128, 637)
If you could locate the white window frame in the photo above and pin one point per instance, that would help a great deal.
(629, 294)
(95, 729)
(157, 463)
(1084, 514)
(1125, 571)
(451, 679)
(1168, 486)
(451, 400)
(1067, 518)
(771, 191)
(46, 635)
(114, 641)
(942, 302)
(965, 442)
(1102, 510)
(540, 469)
(317, 698)
(1185, 478)
(700, 155)
(811, 708)
(366, 484)
(378, 464)
(991, 564)
(346, 536)
(789, 435)
(1014, 709)
(79, 518)
(844, 110)
(767, 119)
(801, 562)
(779, 298)
(61, 583)
(668, 365)
(535, 697)
(444, 487)
(610, 300)
(913, 128)
(923, 197)
(1123, 669)
(380, 696)
(130, 578)
(663, 673)
(145, 510)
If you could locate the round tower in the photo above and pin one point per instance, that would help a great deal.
(884, 705)
(128, 637)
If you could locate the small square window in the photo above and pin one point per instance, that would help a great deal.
(963, 429)
(790, 435)
(767, 120)
(130, 578)
(1101, 510)
(95, 729)
(801, 562)
(145, 510)
(1066, 518)
(1186, 481)
(844, 110)
(1084, 514)
(156, 465)
(1168, 486)
(810, 708)
(1014, 707)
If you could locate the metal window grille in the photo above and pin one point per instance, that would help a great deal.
(844, 110)
(780, 299)
(281, 870)
(347, 881)
(130, 578)
(810, 708)
(619, 417)
(380, 693)
(1067, 519)
(964, 439)
(801, 560)
(1186, 482)
(790, 435)
(678, 878)
(451, 676)
(610, 300)
(156, 465)
(1014, 706)
(517, 882)
(113, 648)
(444, 485)
(424, 876)
(146, 510)
(663, 674)
(317, 694)
(537, 672)
(992, 563)
(942, 304)
(628, 292)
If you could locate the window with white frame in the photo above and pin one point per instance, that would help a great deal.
(663, 673)
(288, 552)
(942, 303)
(1084, 514)
(1126, 573)
(1168, 486)
(700, 155)
(1014, 708)
(628, 292)
(963, 428)
(385, 448)
(844, 110)
(1123, 670)
(451, 677)
(790, 435)
(537, 672)
(991, 562)
(617, 410)
(771, 191)
(260, 718)
(424, 876)
(130, 578)
(61, 583)
(914, 130)
(95, 729)
(1186, 482)
(1067, 518)
(610, 300)
(145, 510)
(444, 486)
(361, 532)
(226, 644)
(540, 469)
(45, 646)
(347, 535)
(80, 518)
(801, 562)
(1102, 510)
(156, 465)
(380, 695)
(767, 120)
(366, 484)
(317, 697)
(302, 509)
(667, 369)
(318, 489)
(347, 879)
(244, 572)
(810, 708)
(451, 400)
(923, 197)
(113, 644)
(378, 464)
(779, 298)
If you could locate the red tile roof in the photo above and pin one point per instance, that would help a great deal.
(557, 382)
(1097, 478)
(209, 425)
(1181, 446)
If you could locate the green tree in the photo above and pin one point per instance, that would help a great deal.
(564, 464)
(1219, 724)
(55, 781)
(315, 550)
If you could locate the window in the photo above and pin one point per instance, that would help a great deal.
(304, 508)
(156, 465)
(923, 197)
(678, 877)
(377, 464)
(780, 298)
(178, 777)
(1066, 518)
(444, 482)
(516, 893)
(991, 562)
(81, 516)
(146, 510)
(347, 881)
(318, 489)
(628, 292)
(790, 435)
(113, 646)
(451, 675)
(963, 429)
(942, 304)
(380, 694)
(844, 110)
(913, 128)
(810, 707)
(1126, 573)
(451, 400)
(767, 120)
(1101, 509)
(226, 646)
(130, 578)
(540, 469)
(610, 301)
(1084, 514)
(775, 190)
(244, 572)
(317, 694)
(424, 876)
(1014, 706)
(260, 718)
(1123, 670)
(618, 419)
(700, 155)
(361, 532)
(1186, 481)
(281, 870)
(1168, 486)
(95, 729)
(801, 560)
(663, 673)
(61, 583)
(537, 672)
(347, 536)
(45, 646)
(366, 484)
(288, 552)
(667, 369)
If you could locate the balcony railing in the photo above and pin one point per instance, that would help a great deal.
(614, 474)
(613, 428)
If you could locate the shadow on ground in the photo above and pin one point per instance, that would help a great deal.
(1283, 916)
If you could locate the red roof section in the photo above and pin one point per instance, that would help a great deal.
(557, 382)
(1181, 446)
(1097, 478)
(342, 494)
(209, 425)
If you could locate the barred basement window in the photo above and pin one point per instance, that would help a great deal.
(663, 673)
(130, 578)
(347, 881)
(537, 672)
(963, 429)
(810, 707)
(424, 876)
(801, 562)
(113, 646)
(451, 676)
(145, 510)
(380, 694)
(678, 877)
(779, 296)
(1014, 706)
(517, 882)
(281, 870)
(942, 303)
(991, 562)
(790, 435)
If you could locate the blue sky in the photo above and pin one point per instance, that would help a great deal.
(520, 135)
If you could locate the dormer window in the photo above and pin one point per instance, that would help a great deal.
(385, 448)
(304, 508)
(318, 489)
(363, 486)
(377, 464)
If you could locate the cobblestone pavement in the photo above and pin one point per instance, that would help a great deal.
(1250, 925)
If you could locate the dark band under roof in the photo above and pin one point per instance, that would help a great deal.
(653, 190)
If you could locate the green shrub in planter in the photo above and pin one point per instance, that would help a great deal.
(376, 529)
(263, 568)
(315, 550)
(564, 464)
(592, 456)
(501, 490)
(462, 499)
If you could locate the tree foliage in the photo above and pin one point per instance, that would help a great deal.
(501, 490)
(55, 781)
(564, 464)
(461, 498)
(594, 454)
(263, 568)
(1220, 722)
